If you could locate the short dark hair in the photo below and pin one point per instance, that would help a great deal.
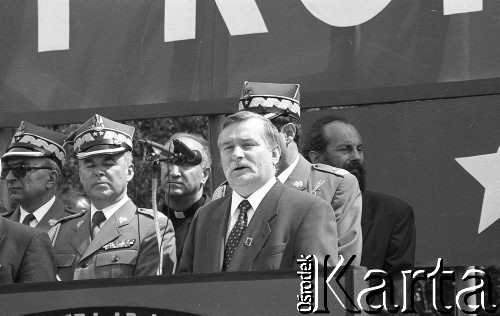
(271, 133)
(316, 139)
(282, 120)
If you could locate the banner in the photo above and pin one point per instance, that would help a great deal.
(61, 61)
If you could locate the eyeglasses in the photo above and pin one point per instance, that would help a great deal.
(19, 171)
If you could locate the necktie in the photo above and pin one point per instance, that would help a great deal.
(27, 220)
(236, 233)
(97, 220)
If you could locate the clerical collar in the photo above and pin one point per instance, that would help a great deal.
(189, 212)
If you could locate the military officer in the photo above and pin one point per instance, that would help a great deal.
(280, 103)
(115, 239)
(31, 167)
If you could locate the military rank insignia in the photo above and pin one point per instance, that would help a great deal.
(119, 244)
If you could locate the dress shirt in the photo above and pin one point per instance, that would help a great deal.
(39, 213)
(109, 210)
(254, 199)
(288, 171)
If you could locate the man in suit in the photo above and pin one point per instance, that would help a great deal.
(115, 239)
(387, 222)
(183, 185)
(262, 224)
(31, 167)
(25, 254)
(280, 103)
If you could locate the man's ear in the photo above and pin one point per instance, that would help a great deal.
(289, 130)
(206, 174)
(276, 154)
(315, 156)
(53, 178)
(130, 172)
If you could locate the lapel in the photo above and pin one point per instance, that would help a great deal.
(111, 229)
(216, 233)
(366, 215)
(13, 214)
(55, 212)
(81, 237)
(300, 175)
(257, 232)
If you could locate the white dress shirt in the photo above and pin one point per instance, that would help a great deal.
(39, 213)
(288, 171)
(109, 210)
(254, 201)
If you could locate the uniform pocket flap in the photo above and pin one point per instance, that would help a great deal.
(273, 250)
(65, 259)
(128, 256)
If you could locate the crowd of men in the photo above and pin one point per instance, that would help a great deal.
(275, 205)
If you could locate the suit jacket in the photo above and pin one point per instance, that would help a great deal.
(125, 246)
(286, 224)
(57, 211)
(388, 233)
(25, 254)
(336, 186)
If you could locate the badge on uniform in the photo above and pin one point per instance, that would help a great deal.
(119, 244)
(52, 221)
(122, 219)
(318, 185)
(79, 224)
(298, 184)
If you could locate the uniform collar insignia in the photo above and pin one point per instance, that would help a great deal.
(318, 186)
(52, 221)
(122, 219)
(298, 184)
(79, 224)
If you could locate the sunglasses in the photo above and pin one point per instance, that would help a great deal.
(19, 171)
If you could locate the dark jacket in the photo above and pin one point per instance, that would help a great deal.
(25, 254)
(388, 233)
(288, 223)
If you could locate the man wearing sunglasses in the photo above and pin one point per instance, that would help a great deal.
(31, 168)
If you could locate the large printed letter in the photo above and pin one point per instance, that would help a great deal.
(53, 25)
(461, 6)
(241, 17)
(344, 13)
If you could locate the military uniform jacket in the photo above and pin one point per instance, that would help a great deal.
(57, 211)
(125, 246)
(336, 186)
(25, 254)
(286, 224)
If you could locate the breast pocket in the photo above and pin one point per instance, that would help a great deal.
(65, 260)
(6, 274)
(116, 264)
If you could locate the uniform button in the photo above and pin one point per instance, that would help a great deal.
(85, 265)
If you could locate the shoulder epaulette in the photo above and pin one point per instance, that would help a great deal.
(330, 169)
(220, 192)
(149, 212)
(66, 218)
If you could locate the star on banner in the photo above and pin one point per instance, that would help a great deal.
(486, 170)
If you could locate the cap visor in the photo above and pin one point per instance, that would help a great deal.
(109, 151)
